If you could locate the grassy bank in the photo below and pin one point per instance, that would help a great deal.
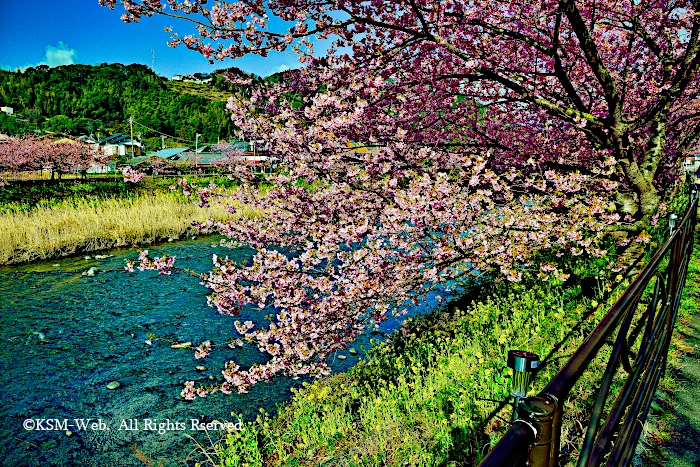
(436, 393)
(30, 193)
(71, 226)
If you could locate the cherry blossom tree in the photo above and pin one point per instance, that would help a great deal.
(434, 143)
(18, 154)
(27, 153)
(64, 156)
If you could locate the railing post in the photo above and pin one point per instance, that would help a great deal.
(556, 428)
(539, 413)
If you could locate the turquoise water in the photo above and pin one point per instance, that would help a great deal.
(66, 336)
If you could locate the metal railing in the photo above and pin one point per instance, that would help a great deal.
(640, 333)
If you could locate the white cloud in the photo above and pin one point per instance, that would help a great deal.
(57, 55)
(280, 68)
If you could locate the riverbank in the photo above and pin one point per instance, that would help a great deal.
(90, 225)
(437, 393)
(51, 227)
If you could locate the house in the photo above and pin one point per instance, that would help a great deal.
(691, 165)
(169, 153)
(7, 110)
(119, 145)
(197, 78)
(165, 161)
(206, 157)
(252, 154)
(101, 168)
(87, 139)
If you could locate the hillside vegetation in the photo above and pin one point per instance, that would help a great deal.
(86, 99)
(198, 90)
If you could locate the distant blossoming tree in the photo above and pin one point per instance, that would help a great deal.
(438, 141)
(131, 175)
(27, 153)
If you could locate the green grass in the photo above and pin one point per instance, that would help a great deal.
(435, 394)
(25, 195)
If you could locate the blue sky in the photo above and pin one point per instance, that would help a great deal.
(62, 32)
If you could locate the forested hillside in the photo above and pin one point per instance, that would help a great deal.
(85, 99)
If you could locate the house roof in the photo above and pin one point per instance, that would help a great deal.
(234, 145)
(136, 160)
(206, 148)
(117, 138)
(209, 158)
(202, 158)
(86, 139)
(168, 153)
(113, 138)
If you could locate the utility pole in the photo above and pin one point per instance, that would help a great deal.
(162, 141)
(196, 142)
(131, 126)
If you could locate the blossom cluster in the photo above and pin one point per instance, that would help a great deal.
(163, 264)
(131, 175)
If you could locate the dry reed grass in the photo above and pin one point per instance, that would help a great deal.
(91, 225)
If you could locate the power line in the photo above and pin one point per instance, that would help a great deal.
(166, 135)
(161, 133)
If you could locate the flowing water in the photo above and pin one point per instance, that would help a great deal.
(65, 336)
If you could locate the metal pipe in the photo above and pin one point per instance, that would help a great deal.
(539, 412)
(511, 450)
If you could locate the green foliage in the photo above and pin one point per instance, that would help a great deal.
(24, 195)
(84, 99)
(436, 392)
(240, 450)
(13, 126)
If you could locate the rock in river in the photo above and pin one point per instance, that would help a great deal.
(113, 385)
(183, 345)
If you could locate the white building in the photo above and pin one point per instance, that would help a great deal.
(7, 110)
(119, 145)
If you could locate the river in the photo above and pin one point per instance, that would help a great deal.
(65, 336)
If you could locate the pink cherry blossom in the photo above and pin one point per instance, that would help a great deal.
(433, 144)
